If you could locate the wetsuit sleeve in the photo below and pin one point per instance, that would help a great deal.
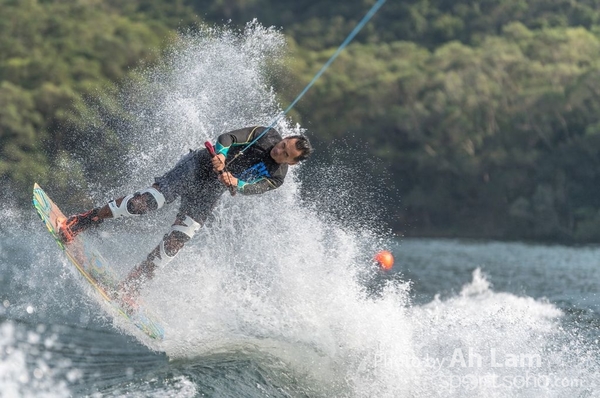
(241, 136)
(264, 184)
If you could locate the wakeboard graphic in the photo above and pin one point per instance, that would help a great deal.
(94, 268)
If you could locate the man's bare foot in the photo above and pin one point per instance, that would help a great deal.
(69, 228)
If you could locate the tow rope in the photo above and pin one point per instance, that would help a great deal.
(351, 36)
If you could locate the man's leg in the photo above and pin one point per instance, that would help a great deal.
(135, 204)
(182, 230)
(194, 211)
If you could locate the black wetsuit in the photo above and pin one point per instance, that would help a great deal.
(194, 180)
(255, 169)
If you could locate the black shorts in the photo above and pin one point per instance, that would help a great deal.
(193, 180)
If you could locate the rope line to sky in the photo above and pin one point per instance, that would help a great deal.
(348, 39)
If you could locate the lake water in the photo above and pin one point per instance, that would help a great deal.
(453, 318)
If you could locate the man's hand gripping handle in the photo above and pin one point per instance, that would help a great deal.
(211, 149)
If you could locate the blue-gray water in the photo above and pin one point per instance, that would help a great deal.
(277, 296)
(479, 319)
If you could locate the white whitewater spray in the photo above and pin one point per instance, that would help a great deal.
(24, 369)
(209, 83)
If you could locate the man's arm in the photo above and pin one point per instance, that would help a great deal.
(258, 186)
(236, 137)
(226, 140)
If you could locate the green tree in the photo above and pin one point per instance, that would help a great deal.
(60, 66)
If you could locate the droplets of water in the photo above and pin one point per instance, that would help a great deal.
(211, 81)
(25, 367)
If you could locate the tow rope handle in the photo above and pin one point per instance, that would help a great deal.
(211, 149)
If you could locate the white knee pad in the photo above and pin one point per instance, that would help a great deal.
(164, 259)
(119, 211)
(189, 227)
(156, 194)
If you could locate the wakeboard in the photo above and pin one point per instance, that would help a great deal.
(94, 268)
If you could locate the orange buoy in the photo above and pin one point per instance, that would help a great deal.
(385, 259)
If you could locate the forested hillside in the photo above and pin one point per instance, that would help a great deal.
(485, 115)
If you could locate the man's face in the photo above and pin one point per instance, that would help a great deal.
(285, 151)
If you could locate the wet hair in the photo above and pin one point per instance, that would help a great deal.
(302, 145)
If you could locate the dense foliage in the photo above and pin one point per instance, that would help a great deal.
(498, 139)
(486, 114)
(60, 63)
